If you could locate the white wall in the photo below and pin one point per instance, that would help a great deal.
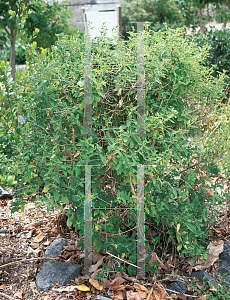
(90, 6)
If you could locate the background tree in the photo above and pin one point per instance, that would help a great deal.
(198, 13)
(175, 13)
(50, 18)
(155, 11)
(10, 12)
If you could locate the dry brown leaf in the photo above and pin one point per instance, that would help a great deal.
(215, 248)
(212, 289)
(116, 281)
(28, 271)
(95, 256)
(93, 268)
(71, 260)
(120, 103)
(132, 295)
(210, 193)
(36, 224)
(18, 295)
(96, 284)
(94, 275)
(200, 285)
(83, 288)
(38, 238)
(154, 259)
(109, 158)
(181, 296)
(66, 289)
(171, 297)
(128, 278)
(159, 292)
(119, 296)
(34, 245)
(204, 297)
(2, 286)
(118, 288)
(142, 290)
(140, 287)
(106, 283)
(33, 287)
(70, 248)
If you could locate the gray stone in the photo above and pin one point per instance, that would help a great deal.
(56, 271)
(224, 259)
(4, 194)
(178, 286)
(55, 248)
(201, 275)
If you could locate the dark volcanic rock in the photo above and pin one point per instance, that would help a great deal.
(55, 248)
(56, 271)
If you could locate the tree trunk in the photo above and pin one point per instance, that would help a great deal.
(226, 3)
(201, 25)
(12, 54)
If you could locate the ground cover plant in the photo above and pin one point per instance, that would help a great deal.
(186, 142)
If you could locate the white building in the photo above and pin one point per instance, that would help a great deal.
(90, 6)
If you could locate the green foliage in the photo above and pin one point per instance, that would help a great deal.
(222, 16)
(20, 19)
(156, 12)
(185, 132)
(10, 132)
(51, 19)
(221, 293)
(19, 52)
(218, 42)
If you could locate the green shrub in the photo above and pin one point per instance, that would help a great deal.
(19, 53)
(219, 52)
(10, 95)
(186, 140)
(156, 12)
(51, 19)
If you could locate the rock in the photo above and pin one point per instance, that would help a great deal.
(201, 275)
(55, 248)
(224, 258)
(4, 194)
(181, 287)
(56, 271)
(177, 286)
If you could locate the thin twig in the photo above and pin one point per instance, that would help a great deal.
(25, 260)
(6, 296)
(183, 294)
(123, 260)
(73, 135)
(131, 184)
(150, 293)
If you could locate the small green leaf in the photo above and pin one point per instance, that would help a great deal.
(100, 93)
(179, 247)
(191, 227)
(64, 199)
(14, 209)
(56, 137)
(99, 244)
(46, 189)
(69, 222)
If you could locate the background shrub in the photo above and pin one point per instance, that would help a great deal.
(219, 51)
